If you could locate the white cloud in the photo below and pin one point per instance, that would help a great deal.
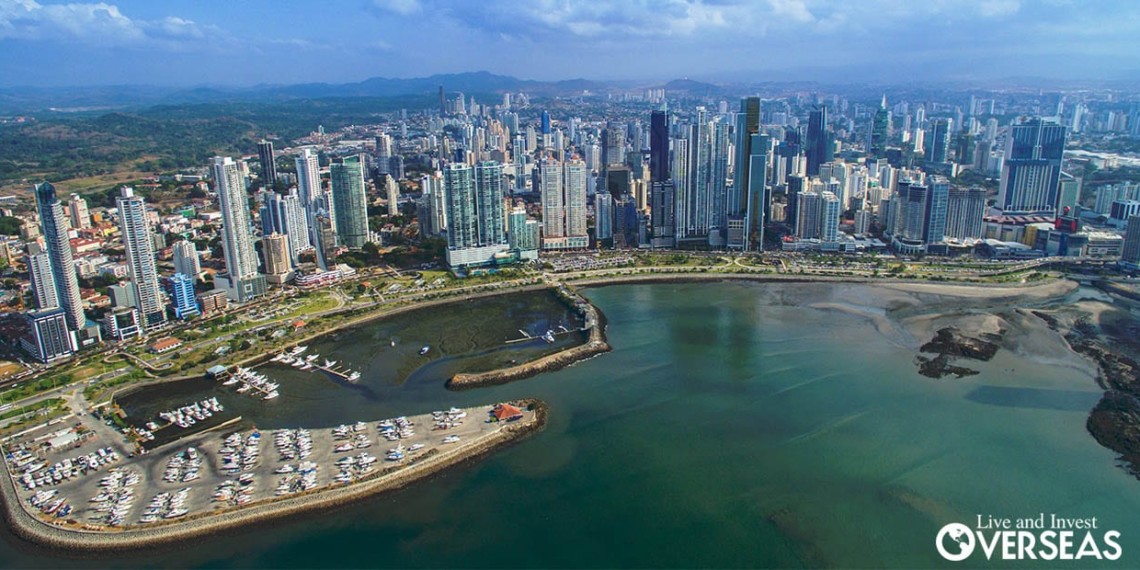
(401, 7)
(795, 10)
(99, 23)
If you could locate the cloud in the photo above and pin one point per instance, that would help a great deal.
(401, 7)
(795, 10)
(96, 23)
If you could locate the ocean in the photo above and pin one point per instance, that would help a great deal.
(726, 429)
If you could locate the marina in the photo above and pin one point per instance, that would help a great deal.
(297, 358)
(213, 473)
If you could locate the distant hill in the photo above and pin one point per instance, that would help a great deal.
(67, 99)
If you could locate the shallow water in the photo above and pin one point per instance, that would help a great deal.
(723, 430)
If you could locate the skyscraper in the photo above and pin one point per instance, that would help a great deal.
(284, 214)
(48, 339)
(523, 234)
(659, 146)
(661, 210)
(830, 208)
(41, 278)
(476, 230)
(349, 200)
(1031, 173)
(938, 141)
(965, 209)
(54, 225)
(819, 146)
(937, 205)
(718, 183)
(268, 168)
(77, 210)
(694, 216)
(748, 179)
(140, 258)
(278, 266)
(1130, 252)
(182, 289)
(880, 130)
(243, 281)
(308, 176)
(563, 193)
(603, 216)
(186, 259)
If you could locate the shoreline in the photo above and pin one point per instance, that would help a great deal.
(517, 372)
(34, 530)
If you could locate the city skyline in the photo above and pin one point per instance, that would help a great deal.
(184, 43)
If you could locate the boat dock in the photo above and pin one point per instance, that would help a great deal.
(527, 337)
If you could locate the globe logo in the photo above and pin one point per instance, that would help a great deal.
(961, 541)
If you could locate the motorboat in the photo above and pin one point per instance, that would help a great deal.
(425, 350)
(548, 337)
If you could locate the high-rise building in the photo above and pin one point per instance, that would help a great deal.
(278, 268)
(48, 339)
(937, 205)
(938, 141)
(808, 210)
(661, 210)
(613, 151)
(182, 295)
(243, 281)
(880, 130)
(58, 246)
(523, 234)
(476, 224)
(1130, 252)
(718, 183)
(326, 241)
(1031, 173)
(186, 259)
(694, 214)
(77, 211)
(268, 168)
(349, 200)
(830, 208)
(659, 170)
(284, 214)
(140, 258)
(818, 142)
(42, 280)
(965, 209)
(603, 216)
(745, 203)
(308, 179)
(563, 193)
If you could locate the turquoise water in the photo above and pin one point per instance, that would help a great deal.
(723, 430)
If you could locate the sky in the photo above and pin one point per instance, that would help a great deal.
(248, 42)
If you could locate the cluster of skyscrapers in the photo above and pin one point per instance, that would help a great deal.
(307, 218)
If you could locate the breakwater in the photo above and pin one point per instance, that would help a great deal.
(595, 323)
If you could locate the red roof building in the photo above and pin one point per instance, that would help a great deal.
(506, 413)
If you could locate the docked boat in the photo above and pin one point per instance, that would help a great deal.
(354, 376)
(271, 395)
(548, 337)
(425, 349)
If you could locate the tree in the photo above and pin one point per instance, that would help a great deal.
(9, 225)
